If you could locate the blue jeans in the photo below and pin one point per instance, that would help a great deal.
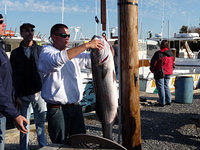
(162, 86)
(38, 105)
(2, 132)
(64, 121)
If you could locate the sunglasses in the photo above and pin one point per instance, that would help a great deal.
(1, 21)
(63, 35)
(27, 30)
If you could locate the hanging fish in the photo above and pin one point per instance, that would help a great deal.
(105, 87)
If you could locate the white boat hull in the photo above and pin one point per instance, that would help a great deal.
(148, 84)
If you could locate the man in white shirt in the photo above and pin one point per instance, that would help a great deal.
(62, 83)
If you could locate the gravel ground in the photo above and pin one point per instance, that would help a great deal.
(171, 127)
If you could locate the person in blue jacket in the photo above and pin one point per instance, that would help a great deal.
(7, 108)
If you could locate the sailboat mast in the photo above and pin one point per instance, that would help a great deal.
(168, 29)
(108, 24)
(96, 15)
(141, 15)
(162, 23)
(63, 8)
(5, 15)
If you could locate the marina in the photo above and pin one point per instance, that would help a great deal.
(147, 85)
(140, 124)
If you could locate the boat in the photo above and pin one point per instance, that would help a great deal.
(13, 39)
(146, 49)
(152, 47)
(186, 63)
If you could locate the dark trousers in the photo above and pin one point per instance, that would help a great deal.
(64, 121)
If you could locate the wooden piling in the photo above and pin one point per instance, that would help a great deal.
(129, 81)
(103, 14)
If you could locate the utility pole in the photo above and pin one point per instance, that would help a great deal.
(129, 74)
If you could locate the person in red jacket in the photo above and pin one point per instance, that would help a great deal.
(161, 65)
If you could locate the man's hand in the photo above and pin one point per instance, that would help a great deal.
(95, 43)
(19, 120)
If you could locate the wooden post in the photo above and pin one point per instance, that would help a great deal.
(128, 33)
(103, 14)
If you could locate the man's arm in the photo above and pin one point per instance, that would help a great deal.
(7, 108)
(153, 61)
(6, 103)
(93, 44)
(50, 60)
(84, 60)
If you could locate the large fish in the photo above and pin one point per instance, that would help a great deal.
(105, 86)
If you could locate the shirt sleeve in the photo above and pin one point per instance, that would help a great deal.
(7, 107)
(51, 59)
(154, 61)
(84, 60)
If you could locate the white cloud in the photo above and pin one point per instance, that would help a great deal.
(41, 6)
(154, 8)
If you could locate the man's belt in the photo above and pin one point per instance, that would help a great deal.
(59, 106)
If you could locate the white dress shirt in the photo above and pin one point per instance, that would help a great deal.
(62, 82)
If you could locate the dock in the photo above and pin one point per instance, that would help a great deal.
(170, 127)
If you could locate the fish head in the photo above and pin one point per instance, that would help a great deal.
(101, 56)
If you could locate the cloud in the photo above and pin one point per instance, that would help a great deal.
(154, 8)
(45, 6)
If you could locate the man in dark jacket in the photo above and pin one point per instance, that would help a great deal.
(27, 82)
(6, 93)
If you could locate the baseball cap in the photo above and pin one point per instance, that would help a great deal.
(1, 16)
(26, 25)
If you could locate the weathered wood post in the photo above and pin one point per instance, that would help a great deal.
(128, 33)
(103, 14)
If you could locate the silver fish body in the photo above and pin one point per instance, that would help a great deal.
(105, 86)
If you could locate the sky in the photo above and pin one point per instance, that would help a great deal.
(80, 13)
